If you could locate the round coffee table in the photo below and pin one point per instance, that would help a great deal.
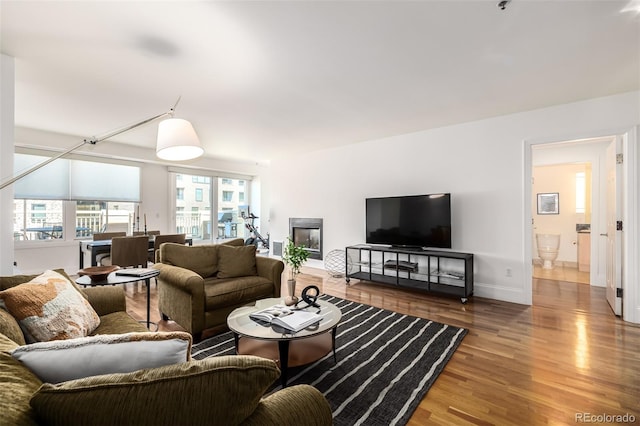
(290, 349)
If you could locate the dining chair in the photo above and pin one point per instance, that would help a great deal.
(149, 234)
(100, 236)
(128, 251)
(165, 238)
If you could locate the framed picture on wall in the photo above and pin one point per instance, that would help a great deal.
(548, 203)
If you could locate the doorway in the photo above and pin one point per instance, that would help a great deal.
(627, 213)
(562, 234)
(556, 167)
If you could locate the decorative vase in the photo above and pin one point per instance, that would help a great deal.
(291, 299)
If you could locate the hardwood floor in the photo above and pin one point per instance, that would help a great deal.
(561, 273)
(564, 357)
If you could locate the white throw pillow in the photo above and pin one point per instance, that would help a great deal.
(61, 360)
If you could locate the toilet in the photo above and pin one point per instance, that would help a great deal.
(548, 245)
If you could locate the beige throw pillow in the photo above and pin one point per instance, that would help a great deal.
(236, 261)
(63, 360)
(49, 307)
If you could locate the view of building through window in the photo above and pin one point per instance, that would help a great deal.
(194, 204)
(37, 219)
(102, 216)
(45, 219)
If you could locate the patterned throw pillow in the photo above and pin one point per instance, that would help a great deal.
(49, 307)
(63, 360)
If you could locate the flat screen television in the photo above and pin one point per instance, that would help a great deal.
(410, 221)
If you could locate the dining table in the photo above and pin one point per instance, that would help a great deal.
(104, 246)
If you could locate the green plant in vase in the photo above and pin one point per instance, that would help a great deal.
(294, 257)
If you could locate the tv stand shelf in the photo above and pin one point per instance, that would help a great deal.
(438, 271)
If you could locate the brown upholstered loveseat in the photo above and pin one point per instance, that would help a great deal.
(199, 286)
(214, 391)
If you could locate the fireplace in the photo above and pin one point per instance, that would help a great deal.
(308, 233)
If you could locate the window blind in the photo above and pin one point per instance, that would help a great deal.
(70, 179)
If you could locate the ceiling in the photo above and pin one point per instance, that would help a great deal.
(259, 79)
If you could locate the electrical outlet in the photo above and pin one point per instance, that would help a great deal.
(508, 272)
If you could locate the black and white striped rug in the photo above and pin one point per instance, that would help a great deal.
(386, 363)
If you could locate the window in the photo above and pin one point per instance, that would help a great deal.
(581, 190)
(192, 217)
(68, 192)
(38, 219)
(38, 214)
(230, 222)
(180, 213)
(200, 179)
(105, 216)
(207, 208)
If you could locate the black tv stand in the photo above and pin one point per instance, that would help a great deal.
(437, 271)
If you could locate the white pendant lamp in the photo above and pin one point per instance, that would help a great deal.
(177, 140)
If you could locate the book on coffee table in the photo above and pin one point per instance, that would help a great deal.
(136, 272)
(285, 317)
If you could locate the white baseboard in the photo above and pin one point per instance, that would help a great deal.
(498, 292)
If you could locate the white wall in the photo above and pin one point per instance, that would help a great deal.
(7, 73)
(480, 163)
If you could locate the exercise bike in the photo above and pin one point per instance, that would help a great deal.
(255, 238)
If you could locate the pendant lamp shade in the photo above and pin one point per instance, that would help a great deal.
(177, 141)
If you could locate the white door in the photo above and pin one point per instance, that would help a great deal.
(613, 235)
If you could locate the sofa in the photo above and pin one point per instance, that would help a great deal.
(215, 391)
(199, 286)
